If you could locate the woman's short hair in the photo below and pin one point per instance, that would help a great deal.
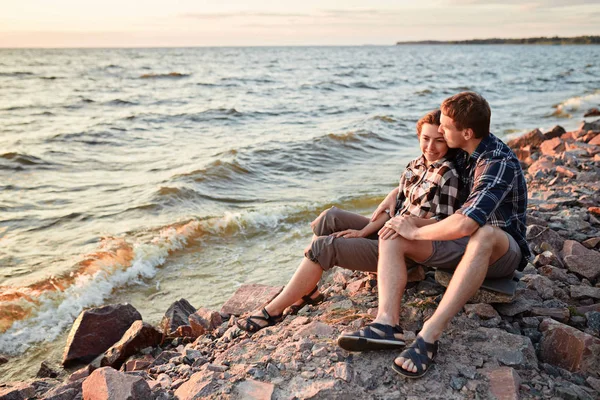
(432, 118)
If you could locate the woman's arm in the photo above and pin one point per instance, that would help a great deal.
(389, 203)
(372, 227)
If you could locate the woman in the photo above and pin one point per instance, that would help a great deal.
(428, 189)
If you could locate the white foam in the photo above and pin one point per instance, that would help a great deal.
(57, 310)
(580, 102)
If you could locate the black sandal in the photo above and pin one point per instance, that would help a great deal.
(306, 299)
(418, 358)
(372, 337)
(251, 326)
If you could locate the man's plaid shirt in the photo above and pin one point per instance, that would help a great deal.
(428, 191)
(497, 192)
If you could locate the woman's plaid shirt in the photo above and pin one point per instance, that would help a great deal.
(428, 191)
(496, 189)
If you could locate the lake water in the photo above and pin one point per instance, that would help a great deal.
(147, 175)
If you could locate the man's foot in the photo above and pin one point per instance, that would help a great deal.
(374, 336)
(313, 298)
(258, 320)
(417, 359)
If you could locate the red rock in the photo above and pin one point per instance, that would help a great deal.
(594, 210)
(504, 383)
(569, 348)
(46, 371)
(559, 314)
(199, 386)
(355, 286)
(595, 140)
(482, 310)
(18, 391)
(557, 131)
(96, 329)
(536, 235)
(67, 391)
(204, 320)
(416, 274)
(81, 373)
(108, 384)
(552, 147)
(250, 297)
(314, 328)
(582, 292)
(136, 365)
(592, 112)
(573, 248)
(587, 266)
(584, 309)
(591, 243)
(139, 336)
(556, 274)
(177, 315)
(254, 390)
(182, 331)
(533, 139)
(542, 165)
(566, 171)
(342, 371)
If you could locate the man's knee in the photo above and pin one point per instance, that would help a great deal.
(485, 238)
(398, 245)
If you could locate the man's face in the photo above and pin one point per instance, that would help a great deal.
(454, 137)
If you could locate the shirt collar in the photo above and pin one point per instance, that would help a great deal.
(435, 164)
(485, 143)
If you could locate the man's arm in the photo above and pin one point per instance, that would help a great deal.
(451, 228)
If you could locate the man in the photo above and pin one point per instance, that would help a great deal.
(484, 238)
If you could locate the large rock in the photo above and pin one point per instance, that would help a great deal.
(574, 248)
(199, 386)
(204, 320)
(569, 348)
(537, 235)
(542, 166)
(140, 335)
(177, 315)
(533, 139)
(504, 383)
(557, 131)
(582, 292)
(67, 391)
(108, 384)
(18, 391)
(254, 390)
(481, 296)
(587, 266)
(552, 147)
(96, 329)
(250, 297)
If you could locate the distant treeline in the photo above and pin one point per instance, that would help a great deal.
(536, 40)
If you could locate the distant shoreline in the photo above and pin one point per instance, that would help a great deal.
(535, 40)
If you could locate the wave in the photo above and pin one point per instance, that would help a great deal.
(16, 73)
(384, 118)
(423, 92)
(170, 75)
(577, 103)
(220, 170)
(120, 102)
(22, 159)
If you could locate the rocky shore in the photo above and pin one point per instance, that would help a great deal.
(541, 342)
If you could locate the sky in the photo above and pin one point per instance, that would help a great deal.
(153, 23)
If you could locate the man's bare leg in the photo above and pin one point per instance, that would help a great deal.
(392, 275)
(485, 247)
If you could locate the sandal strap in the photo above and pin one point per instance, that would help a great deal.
(372, 331)
(307, 297)
(420, 358)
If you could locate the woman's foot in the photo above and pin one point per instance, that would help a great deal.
(258, 320)
(374, 336)
(313, 298)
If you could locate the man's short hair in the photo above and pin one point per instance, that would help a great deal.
(432, 118)
(469, 110)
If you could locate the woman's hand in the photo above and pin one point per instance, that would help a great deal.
(386, 233)
(389, 203)
(348, 233)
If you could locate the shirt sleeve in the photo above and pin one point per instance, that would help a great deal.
(493, 180)
(401, 196)
(447, 195)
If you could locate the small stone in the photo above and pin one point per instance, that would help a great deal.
(593, 382)
(483, 311)
(217, 368)
(457, 382)
(504, 383)
(20, 391)
(304, 344)
(46, 371)
(559, 314)
(164, 381)
(580, 292)
(319, 350)
(593, 320)
(254, 390)
(308, 374)
(587, 265)
(343, 371)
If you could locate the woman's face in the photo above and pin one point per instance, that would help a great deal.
(433, 145)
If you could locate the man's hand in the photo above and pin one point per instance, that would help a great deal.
(403, 226)
(386, 233)
(348, 233)
(389, 203)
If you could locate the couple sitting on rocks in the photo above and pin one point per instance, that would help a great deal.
(423, 221)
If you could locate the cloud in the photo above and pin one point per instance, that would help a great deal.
(531, 4)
